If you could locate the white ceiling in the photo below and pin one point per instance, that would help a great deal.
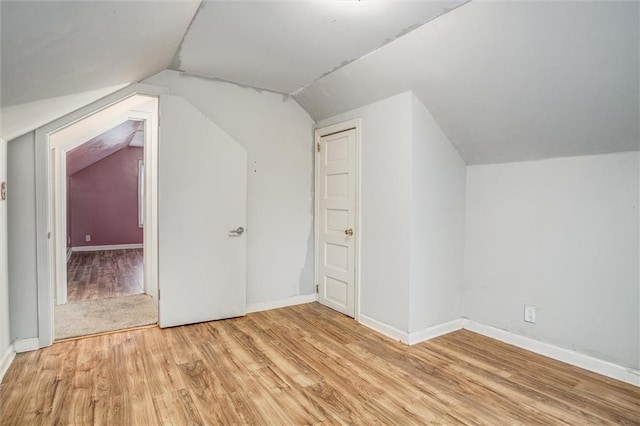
(509, 81)
(57, 48)
(282, 46)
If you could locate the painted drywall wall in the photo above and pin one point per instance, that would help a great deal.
(5, 333)
(104, 201)
(21, 215)
(385, 207)
(278, 136)
(20, 119)
(437, 224)
(563, 235)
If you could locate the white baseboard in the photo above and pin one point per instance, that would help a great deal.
(384, 328)
(577, 359)
(26, 345)
(69, 253)
(6, 360)
(108, 247)
(282, 303)
(436, 330)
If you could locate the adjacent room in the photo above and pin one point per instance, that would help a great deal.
(353, 212)
(105, 289)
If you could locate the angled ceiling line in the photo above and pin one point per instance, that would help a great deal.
(400, 34)
(176, 61)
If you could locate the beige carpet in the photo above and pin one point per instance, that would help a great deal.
(98, 316)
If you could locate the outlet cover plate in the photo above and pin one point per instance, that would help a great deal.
(530, 313)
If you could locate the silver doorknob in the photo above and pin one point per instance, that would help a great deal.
(239, 230)
(348, 232)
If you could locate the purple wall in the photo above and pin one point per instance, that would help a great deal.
(104, 201)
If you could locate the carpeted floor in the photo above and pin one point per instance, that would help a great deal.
(98, 316)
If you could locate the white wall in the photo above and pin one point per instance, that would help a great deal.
(412, 188)
(279, 139)
(21, 204)
(278, 136)
(6, 351)
(563, 235)
(385, 190)
(437, 224)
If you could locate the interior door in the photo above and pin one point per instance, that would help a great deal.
(337, 206)
(202, 196)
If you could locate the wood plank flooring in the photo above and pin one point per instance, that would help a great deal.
(104, 274)
(302, 365)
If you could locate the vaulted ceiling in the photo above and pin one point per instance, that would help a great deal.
(507, 81)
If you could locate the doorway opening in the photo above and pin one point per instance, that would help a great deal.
(102, 210)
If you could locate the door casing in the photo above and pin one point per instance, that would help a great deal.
(319, 133)
(45, 247)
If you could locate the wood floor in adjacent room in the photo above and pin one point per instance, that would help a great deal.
(301, 365)
(95, 275)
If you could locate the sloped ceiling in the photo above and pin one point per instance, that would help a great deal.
(56, 48)
(101, 146)
(509, 81)
(282, 46)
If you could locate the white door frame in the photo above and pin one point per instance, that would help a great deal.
(319, 133)
(48, 250)
(59, 153)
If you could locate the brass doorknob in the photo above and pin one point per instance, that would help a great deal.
(348, 231)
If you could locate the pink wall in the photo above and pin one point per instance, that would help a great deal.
(104, 201)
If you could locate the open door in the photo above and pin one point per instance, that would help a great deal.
(202, 196)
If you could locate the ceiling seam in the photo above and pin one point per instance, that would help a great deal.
(386, 42)
(176, 61)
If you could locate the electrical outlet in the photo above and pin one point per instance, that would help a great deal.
(530, 313)
(87, 237)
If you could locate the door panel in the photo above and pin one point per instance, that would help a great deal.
(337, 207)
(202, 193)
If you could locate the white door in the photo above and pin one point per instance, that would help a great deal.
(202, 196)
(336, 226)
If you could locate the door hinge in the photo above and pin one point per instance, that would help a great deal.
(158, 294)
(318, 145)
(317, 288)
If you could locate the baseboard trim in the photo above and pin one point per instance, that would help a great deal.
(6, 360)
(26, 345)
(576, 359)
(595, 365)
(107, 247)
(436, 330)
(282, 303)
(384, 329)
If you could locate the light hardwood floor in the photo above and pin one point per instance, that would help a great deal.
(104, 274)
(302, 365)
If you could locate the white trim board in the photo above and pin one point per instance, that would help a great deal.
(574, 358)
(108, 247)
(415, 337)
(383, 328)
(282, 303)
(6, 360)
(26, 345)
(436, 330)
